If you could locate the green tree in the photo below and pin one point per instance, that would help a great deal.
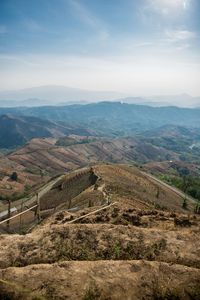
(197, 207)
(184, 205)
(14, 176)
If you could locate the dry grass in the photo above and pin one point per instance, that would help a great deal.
(135, 280)
(129, 251)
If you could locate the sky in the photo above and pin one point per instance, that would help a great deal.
(139, 47)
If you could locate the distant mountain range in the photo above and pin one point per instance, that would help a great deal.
(112, 118)
(182, 100)
(62, 95)
(104, 119)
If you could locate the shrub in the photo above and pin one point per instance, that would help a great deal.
(14, 176)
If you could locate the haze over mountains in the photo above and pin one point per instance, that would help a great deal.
(59, 95)
(52, 95)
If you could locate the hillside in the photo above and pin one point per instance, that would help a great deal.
(17, 130)
(176, 138)
(53, 155)
(165, 151)
(130, 246)
(44, 157)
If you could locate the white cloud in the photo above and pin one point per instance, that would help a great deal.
(180, 35)
(167, 7)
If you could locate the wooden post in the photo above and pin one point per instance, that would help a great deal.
(90, 203)
(9, 213)
(38, 207)
(70, 202)
(20, 220)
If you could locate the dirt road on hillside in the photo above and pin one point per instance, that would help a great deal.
(175, 190)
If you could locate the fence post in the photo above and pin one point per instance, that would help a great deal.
(20, 220)
(9, 213)
(38, 207)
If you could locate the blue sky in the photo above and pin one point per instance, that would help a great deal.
(141, 47)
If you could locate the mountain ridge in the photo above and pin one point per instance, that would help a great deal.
(114, 116)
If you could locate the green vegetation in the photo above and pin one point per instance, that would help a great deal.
(15, 196)
(197, 208)
(70, 141)
(184, 205)
(92, 292)
(188, 184)
(14, 176)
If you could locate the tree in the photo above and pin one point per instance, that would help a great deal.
(184, 205)
(197, 207)
(14, 176)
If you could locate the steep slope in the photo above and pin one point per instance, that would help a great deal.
(125, 250)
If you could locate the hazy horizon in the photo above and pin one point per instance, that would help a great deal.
(139, 48)
(123, 95)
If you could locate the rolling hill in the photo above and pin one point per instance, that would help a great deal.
(54, 157)
(43, 157)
